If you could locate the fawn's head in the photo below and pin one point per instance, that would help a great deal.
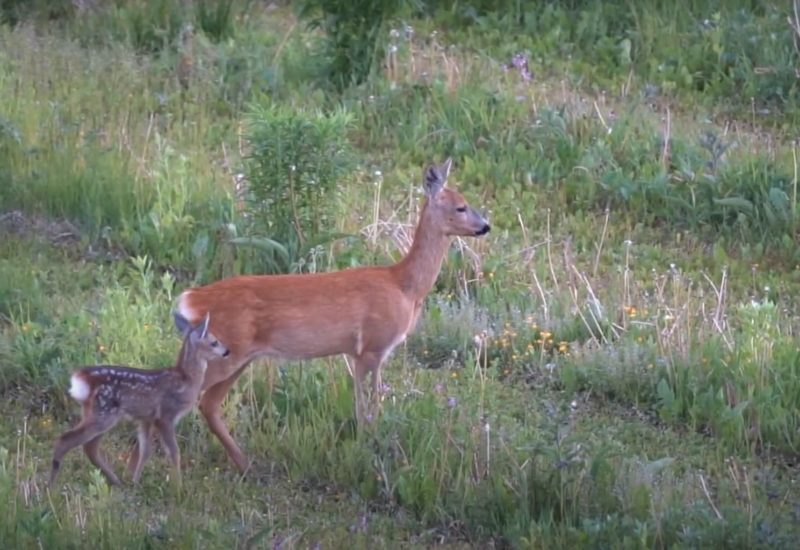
(448, 209)
(200, 345)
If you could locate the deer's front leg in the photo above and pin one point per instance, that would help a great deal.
(210, 405)
(366, 363)
(167, 430)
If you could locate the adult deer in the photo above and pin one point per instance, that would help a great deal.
(362, 312)
(152, 398)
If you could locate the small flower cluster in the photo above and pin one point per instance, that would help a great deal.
(519, 62)
(632, 312)
(524, 344)
(451, 400)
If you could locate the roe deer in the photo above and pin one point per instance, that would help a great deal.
(362, 312)
(151, 398)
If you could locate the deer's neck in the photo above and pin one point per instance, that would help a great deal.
(190, 366)
(417, 272)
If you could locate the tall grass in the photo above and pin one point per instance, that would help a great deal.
(89, 135)
(735, 54)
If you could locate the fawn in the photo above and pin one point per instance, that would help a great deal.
(363, 312)
(156, 398)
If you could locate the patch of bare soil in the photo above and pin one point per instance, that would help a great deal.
(58, 233)
(62, 234)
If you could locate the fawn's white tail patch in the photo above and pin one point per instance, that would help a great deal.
(79, 389)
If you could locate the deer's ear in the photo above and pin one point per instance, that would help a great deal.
(436, 177)
(181, 323)
(203, 328)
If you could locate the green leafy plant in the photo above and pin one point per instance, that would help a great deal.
(149, 26)
(216, 18)
(295, 163)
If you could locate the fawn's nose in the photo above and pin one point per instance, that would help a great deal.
(484, 230)
(226, 353)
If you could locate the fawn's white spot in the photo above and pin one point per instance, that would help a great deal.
(79, 389)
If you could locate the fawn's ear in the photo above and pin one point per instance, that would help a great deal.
(181, 323)
(436, 177)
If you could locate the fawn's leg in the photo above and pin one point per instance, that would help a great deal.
(133, 457)
(170, 441)
(144, 432)
(210, 408)
(89, 428)
(92, 450)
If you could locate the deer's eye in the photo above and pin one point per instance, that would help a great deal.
(461, 209)
(214, 344)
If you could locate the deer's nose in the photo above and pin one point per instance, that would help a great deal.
(484, 230)
(227, 353)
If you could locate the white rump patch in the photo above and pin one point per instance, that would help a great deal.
(79, 389)
(183, 307)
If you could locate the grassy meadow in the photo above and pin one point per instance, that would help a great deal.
(615, 365)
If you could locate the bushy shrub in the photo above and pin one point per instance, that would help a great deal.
(352, 32)
(296, 160)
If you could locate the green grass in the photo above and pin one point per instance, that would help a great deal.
(614, 365)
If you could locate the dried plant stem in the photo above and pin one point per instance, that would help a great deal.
(665, 148)
(594, 300)
(549, 253)
(295, 214)
(142, 158)
(627, 300)
(794, 167)
(603, 233)
(376, 208)
(600, 116)
(283, 43)
(708, 497)
(718, 318)
(532, 268)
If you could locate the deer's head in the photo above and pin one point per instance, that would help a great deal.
(448, 209)
(199, 341)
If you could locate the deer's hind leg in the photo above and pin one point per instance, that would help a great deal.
(91, 427)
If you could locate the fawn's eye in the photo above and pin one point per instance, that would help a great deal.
(214, 344)
(461, 209)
